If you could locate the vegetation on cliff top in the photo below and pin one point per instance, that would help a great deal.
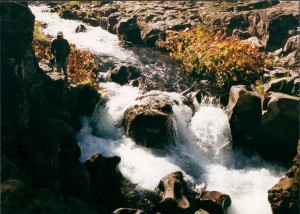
(81, 64)
(212, 55)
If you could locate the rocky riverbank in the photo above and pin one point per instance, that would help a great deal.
(40, 171)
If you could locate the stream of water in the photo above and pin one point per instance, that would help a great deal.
(203, 151)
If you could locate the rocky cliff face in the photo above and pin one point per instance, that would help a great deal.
(37, 137)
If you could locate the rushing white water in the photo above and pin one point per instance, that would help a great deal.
(95, 39)
(203, 150)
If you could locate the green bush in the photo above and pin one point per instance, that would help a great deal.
(212, 55)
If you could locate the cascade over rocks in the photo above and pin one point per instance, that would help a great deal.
(151, 122)
(284, 196)
(177, 197)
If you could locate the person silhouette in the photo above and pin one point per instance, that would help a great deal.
(60, 48)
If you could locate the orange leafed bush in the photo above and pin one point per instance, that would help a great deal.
(214, 56)
(81, 62)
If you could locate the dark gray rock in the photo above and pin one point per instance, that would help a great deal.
(123, 74)
(151, 123)
(213, 202)
(128, 30)
(174, 191)
(244, 109)
(80, 28)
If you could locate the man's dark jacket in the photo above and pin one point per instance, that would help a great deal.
(60, 48)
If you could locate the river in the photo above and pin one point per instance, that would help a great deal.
(203, 151)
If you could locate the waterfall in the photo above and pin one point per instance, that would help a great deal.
(203, 140)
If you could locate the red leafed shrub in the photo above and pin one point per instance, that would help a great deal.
(214, 56)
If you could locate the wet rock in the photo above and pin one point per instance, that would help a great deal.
(105, 182)
(213, 202)
(129, 30)
(123, 74)
(173, 190)
(112, 21)
(284, 196)
(284, 85)
(80, 28)
(279, 127)
(104, 23)
(150, 123)
(128, 211)
(244, 110)
(92, 21)
(68, 14)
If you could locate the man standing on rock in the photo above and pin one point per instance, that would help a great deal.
(61, 49)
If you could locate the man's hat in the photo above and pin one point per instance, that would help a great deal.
(60, 33)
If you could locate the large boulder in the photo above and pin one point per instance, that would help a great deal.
(123, 74)
(151, 122)
(68, 14)
(173, 189)
(279, 128)
(213, 202)
(128, 30)
(244, 110)
(105, 182)
(284, 196)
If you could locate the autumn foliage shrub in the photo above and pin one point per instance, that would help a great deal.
(81, 63)
(212, 55)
